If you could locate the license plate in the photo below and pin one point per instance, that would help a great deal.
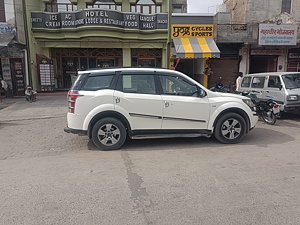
(276, 110)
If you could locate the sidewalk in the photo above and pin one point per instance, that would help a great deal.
(57, 93)
(5, 102)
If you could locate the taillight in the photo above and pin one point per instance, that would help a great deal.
(72, 96)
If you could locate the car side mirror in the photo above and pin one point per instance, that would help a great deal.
(279, 86)
(201, 93)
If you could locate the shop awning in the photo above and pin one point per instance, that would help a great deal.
(6, 37)
(196, 48)
(4, 43)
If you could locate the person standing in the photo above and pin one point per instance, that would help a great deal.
(4, 86)
(238, 81)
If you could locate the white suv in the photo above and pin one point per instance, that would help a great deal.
(110, 104)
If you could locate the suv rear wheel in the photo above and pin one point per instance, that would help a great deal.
(230, 128)
(109, 134)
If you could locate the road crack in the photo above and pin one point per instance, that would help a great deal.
(31, 119)
(139, 195)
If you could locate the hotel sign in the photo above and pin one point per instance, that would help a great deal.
(99, 17)
(192, 31)
(273, 34)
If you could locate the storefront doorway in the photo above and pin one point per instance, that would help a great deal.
(17, 75)
(260, 64)
(146, 57)
(293, 62)
(68, 61)
(146, 62)
(69, 65)
(105, 62)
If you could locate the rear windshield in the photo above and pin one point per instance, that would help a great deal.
(291, 81)
(79, 81)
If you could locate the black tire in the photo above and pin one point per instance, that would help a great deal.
(109, 134)
(269, 117)
(230, 128)
(281, 115)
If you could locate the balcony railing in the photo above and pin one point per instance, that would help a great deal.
(237, 33)
(60, 7)
(232, 27)
(105, 6)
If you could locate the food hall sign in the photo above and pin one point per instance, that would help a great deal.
(98, 17)
(192, 31)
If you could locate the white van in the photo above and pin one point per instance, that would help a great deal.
(283, 87)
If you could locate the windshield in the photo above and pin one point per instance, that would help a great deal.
(291, 81)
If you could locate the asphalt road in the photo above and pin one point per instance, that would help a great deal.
(51, 177)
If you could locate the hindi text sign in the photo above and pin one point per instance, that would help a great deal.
(273, 34)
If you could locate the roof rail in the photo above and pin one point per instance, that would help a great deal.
(121, 67)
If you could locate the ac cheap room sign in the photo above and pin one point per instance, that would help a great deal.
(99, 17)
(273, 34)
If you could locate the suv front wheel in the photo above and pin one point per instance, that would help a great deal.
(230, 128)
(109, 134)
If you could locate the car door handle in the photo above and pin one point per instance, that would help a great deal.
(117, 100)
(267, 91)
(167, 104)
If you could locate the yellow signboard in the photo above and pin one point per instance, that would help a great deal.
(192, 30)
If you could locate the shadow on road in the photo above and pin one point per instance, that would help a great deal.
(261, 137)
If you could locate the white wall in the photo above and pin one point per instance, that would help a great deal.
(9, 12)
(244, 64)
(261, 10)
(282, 59)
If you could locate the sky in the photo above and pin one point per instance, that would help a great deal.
(203, 6)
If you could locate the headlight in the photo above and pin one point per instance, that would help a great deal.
(292, 97)
(249, 103)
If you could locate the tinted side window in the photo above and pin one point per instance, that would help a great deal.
(172, 85)
(97, 83)
(258, 82)
(136, 83)
(274, 82)
(79, 81)
(246, 82)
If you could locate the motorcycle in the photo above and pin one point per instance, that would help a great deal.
(223, 89)
(219, 87)
(267, 109)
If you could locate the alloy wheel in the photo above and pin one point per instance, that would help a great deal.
(109, 134)
(231, 129)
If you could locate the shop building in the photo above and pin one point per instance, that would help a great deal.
(293, 61)
(267, 31)
(179, 6)
(13, 47)
(66, 36)
(193, 46)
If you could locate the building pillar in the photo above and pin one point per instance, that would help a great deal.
(126, 5)
(126, 57)
(81, 4)
(205, 80)
(165, 59)
(207, 68)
